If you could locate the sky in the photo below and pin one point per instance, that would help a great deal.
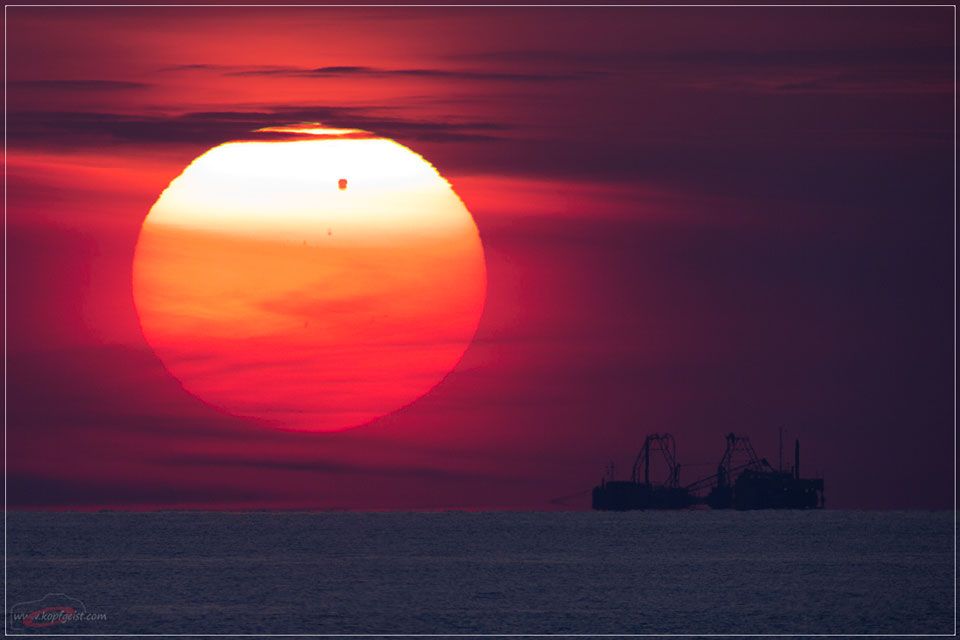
(694, 221)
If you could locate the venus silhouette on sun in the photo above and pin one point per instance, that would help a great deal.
(314, 282)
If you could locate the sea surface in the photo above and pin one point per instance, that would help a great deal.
(692, 572)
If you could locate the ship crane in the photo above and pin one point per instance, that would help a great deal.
(641, 491)
(667, 446)
(738, 457)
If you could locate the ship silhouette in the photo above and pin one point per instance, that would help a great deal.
(743, 481)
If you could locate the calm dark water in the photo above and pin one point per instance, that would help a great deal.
(573, 572)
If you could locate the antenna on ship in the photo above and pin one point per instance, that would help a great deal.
(780, 462)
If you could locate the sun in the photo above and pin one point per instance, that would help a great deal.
(311, 278)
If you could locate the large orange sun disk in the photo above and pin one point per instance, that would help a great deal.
(315, 283)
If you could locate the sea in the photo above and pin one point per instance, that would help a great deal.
(458, 572)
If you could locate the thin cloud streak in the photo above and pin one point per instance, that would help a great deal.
(28, 128)
(78, 85)
(321, 466)
(906, 70)
(361, 71)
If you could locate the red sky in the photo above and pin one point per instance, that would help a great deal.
(695, 220)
